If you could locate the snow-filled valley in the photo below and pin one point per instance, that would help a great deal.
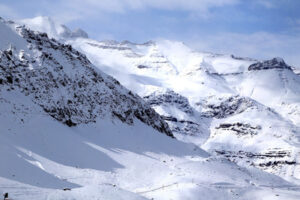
(191, 125)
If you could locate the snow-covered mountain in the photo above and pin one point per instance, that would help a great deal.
(69, 131)
(52, 28)
(222, 103)
(64, 83)
(199, 92)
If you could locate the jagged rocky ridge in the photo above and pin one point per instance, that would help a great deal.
(275, 63)
(67, 86)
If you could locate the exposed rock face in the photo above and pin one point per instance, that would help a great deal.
(239, 129)
(170, 98)
(272, 160)
(233, 126)
(67, 86)
(183, 126)
(176, 103)
(275, 63)
(230, 106)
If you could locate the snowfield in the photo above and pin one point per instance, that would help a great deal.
(113, 160)
(70, 131)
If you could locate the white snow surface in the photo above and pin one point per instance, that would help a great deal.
(210, 101)
(268, 99)
(112, 160)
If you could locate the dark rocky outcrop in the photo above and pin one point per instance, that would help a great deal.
(271, 161)
(175, 101)
(275, 63)
(240, 129)
(227, 107)
(68, 87)
(170, 98)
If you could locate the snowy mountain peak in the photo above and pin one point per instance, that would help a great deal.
(149, 43)
(64, 83)
(52, 28)
(79, 33)
(275, 63)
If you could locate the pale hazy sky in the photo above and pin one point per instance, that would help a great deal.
(254, 28)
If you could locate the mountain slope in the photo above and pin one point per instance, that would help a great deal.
(112, 160)
(66, 85)
(96, 146)
(199, 93)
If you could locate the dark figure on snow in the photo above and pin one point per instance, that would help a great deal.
(5, 195)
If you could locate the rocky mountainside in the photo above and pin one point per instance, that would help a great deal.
(69, 131)
(176, 110)
(222, 103)
(65, 84)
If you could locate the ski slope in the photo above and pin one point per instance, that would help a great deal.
(112, 160)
